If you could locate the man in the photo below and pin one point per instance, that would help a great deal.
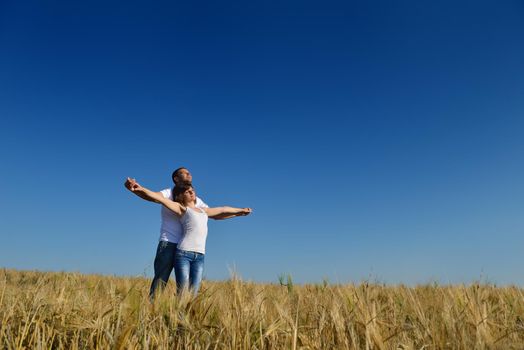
(170, 230)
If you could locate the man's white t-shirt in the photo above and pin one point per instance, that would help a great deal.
(171, 227)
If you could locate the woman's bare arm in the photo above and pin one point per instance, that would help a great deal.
(226, 212)
(156, 197)
(129, 184)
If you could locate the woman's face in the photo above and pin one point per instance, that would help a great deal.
(189, 196)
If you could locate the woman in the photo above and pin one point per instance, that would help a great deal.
(189, 256)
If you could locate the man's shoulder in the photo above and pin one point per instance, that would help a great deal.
(200, 203)
(166, 192)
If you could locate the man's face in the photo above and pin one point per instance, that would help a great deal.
(183, 175)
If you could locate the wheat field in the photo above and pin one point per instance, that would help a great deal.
(45, 310)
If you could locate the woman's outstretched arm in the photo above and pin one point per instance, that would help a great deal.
(226, 212)
(129, 183)
(156, 197)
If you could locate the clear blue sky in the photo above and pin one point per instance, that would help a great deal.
(374, 139)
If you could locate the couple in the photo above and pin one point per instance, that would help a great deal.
(183, 231)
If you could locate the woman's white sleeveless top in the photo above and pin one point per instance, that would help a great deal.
(194, 224)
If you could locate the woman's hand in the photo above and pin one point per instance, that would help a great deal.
(245, 211)
(132, 185)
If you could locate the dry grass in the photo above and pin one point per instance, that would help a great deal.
(74, 311)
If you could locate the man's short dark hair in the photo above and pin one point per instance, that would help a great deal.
(175, 173)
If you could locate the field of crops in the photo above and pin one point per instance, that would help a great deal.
(74, 311)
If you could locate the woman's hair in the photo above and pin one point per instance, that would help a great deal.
(179, 190)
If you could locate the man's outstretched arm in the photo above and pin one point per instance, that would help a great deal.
(223, 216)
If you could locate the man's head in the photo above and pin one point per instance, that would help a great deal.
(181, 176)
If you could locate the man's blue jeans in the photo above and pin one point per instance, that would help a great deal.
(189, 268)
(164, 261)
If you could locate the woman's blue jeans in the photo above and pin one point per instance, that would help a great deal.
(189, 268)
